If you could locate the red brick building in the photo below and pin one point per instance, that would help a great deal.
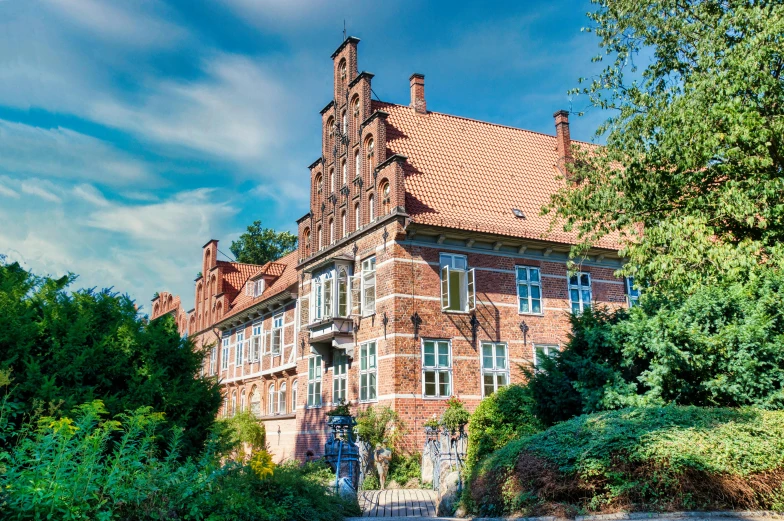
(424, 269)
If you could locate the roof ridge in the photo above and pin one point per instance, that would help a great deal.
(474, 120)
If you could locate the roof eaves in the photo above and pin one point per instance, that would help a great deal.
(350, 39)
(363, 74)
(314, 163)
(329, 105)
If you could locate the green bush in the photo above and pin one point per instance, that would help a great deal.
(455, 415)
(240, 436)
(95, 468)
(379, 426)
(717, 347)
(66, 348)
(405, 467)
(500, 418)
(654, 458)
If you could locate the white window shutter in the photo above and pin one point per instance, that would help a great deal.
(445, 300)
(471, 289)
(356, 294)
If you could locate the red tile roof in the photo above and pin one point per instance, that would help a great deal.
(285, 269)
(234, 276)
(468, 174)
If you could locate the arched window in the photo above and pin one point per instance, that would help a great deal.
(357, 217)
(344, 120)
(343, 223)
(344, 169)
(214, 284)
(370, 147)
(294, 396)
(318, 183)
(357, 163)
(385, 196)
(233, 403)
(218, 310)
(282, 399)
(242, 402)
(320, 238)
(271, 400)
(331, 230)
(371, 208)
(330, 133)
(355, 113)
(306, 241)
(342, 72)
(342, 293)
(331, 180)
(255, 401)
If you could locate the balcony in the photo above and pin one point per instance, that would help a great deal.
(333, 332)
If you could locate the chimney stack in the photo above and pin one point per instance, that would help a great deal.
(418, 102)
(563, 141)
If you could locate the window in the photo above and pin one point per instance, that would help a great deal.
(580, 292)
(436, 368)
(529, 290)
(255, 343)
(368, 372)
(242, 402)
(306, 241)
(271, 402)
(369, 286)
(632, 292)
(357, 163)
(357, 217)
(294, 396)
(542, 351)
(355, 112)
(318, 183)
(213, 360)
(314, 381)
(458, 283)
(254, 288)
(344, 169)
(339, 373)
(370, 146)
(331, 230)
(234, 403)
(344, 119)
(495, 368)
(343, 223)
(277, 334)
(239, 350)
(282, 399)
(320, 238)
(342, 70)
(371, 208)
(331, 180)
(385, 191)
(225, 352)
(330, 132)
(343, 307)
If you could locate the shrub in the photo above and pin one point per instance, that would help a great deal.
(371, 483)
(240, 437)
(405, 467)
(455, 415)
(719, 346)
(500, 418)
(379, 426)
(656, 458)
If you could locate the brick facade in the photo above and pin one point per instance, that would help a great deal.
(403, 186)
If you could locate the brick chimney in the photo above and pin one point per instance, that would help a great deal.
(563, 141)
(418, 102)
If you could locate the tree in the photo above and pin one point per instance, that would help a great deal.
(261, 245)
(717, 347)
(68, 348)
(692, 173)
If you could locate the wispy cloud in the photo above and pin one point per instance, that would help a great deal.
(5, 190)
(64, 153)
(36, 188)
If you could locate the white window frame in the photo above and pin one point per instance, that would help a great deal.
(276, 338)
(494, 370)
(449, 264)
(343, 282)
(368, 374)
(242, 401)
(437, 368)
(272, 400)
(257, 336)
(368, 284)
(547, 350)
(315, 374)
(239, 349)
(225, 344)
(294, 389)
(213, 360)
(339, 376)
(632, 293)
(371, 208)
(282, 406)
(530, 287)
(579, 305)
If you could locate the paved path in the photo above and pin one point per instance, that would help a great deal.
(409, 503)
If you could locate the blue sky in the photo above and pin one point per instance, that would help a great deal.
(132, 132)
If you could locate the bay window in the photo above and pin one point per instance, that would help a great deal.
(369, 286)
(458, 283)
